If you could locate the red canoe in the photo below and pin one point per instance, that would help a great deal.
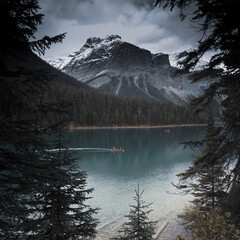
(117, 150)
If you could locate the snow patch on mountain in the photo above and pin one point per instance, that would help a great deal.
(96, 49)
(83, 53)
(173, 60)
(119, 86)
(122, 69)
(59, 61)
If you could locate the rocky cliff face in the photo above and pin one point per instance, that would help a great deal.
(123, 69)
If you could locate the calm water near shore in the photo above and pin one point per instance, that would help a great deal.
(152, 158)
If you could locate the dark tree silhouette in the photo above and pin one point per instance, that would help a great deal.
(59, 208)
(33, 180)
(210, 179)
(20, 20)
(218, 22)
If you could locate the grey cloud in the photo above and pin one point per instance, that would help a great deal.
(150, 38)
(135, 20)
(92, 11)
(169, 25)
(148, 4)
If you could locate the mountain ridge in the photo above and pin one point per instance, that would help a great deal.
(123, 69)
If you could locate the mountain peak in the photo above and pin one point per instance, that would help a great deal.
(97, 44)
(95, 41)
(123, 69)
(113, 37)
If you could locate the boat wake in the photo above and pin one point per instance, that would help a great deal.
(82, 149)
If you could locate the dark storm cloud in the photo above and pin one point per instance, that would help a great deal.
(87, 12)
(136, 21)
(92, 11)
(148, 4)
(170, 26)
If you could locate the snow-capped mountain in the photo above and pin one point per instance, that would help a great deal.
(120, 68)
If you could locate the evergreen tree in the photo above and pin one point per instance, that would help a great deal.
(22, 151)
(213, 225)
(38, 188)
(210, 179)
(20, 22)
(217, 20)
(20, 141)
(62, 212)
(138, 226)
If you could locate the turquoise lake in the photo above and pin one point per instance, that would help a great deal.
(152, 158)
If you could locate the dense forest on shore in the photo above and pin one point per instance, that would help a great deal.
(86, 107)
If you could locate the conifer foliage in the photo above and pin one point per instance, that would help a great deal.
(138, 226)
(90, 108)
(42, 196)
(20, 20)
(62, 212)
(207, 171)
(212, 225)
(218, 22)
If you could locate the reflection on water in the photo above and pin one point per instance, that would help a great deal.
(152, 158)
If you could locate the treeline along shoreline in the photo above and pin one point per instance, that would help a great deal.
(72, 127)
(89, 108)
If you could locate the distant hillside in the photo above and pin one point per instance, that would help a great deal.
(31, 61)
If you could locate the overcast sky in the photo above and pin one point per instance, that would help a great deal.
(136, 21)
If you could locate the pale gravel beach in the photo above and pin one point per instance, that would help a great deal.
(167, 230)
(71, 127)
(172, 230)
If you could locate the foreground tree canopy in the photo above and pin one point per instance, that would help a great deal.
(218, 22)
(42, 196)
(21, 20)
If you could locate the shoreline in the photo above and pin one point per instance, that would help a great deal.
(132, 127)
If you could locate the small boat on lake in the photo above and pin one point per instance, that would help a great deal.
(117, 149)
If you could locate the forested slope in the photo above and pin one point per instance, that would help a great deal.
(86, 106)
(90, 108)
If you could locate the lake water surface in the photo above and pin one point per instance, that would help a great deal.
(152, 158)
